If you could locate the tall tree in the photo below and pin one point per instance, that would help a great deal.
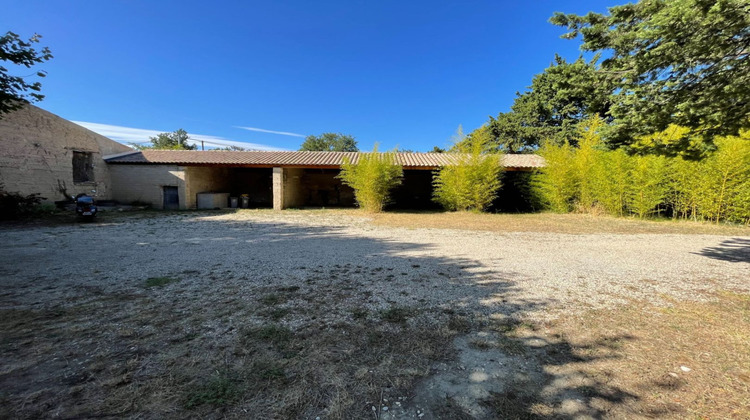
(331, 142)
(550, 110)
(683, 62)
(16, 90)
(176, 140)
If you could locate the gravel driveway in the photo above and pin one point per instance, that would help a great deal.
(78, 309)
(519, 274)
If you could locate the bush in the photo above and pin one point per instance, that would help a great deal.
(572, 178)
(372, 178)
(13, 205)
(614, 178)
(556, 182)
(648, 186)
(587, 164)
(715, 188)
(472, 182)
(725, 181)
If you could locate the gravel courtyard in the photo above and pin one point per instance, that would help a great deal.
(93, 313)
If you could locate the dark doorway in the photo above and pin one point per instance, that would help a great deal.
(415, 192)
(255, 183)
(323, 188)
(171, 198)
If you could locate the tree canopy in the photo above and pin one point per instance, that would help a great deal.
(551, 109)
(231, 148)
(176, 140)
(666, 63)
(16, 90)
(671, 62)
(331, 142)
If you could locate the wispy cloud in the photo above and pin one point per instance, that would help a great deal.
(141, 135)
(263, 130)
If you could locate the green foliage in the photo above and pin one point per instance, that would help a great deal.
(330, 142)
(396, 314)
(15, 90)
(13, 205)
(473, 180)
(160, 281)
(277, 335)
(44, 209)
(551, 109)
(220, 390)
(556, 182)
(672, 62)
(684, 187)
(590, 178)
(613, 181)
(588, 158)
(176, 140)
(572, 177)
(672, 141)
(372, 178)
(725, 181)
(231, 149)
(648, 186)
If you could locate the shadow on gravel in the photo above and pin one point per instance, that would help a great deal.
(732, 250)
(182, 316)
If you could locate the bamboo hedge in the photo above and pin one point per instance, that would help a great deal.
(472, 182)
(591, 178)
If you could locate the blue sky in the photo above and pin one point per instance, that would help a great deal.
(400, 73)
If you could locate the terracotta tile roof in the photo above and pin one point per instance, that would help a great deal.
(291, 159)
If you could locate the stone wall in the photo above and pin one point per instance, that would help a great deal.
(36, 155)
(287, 188)
(200, 179)
(144, 184)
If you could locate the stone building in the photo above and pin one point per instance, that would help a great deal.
(43, 153)
(174, 178)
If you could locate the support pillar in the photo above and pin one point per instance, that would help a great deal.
(287, 188)
(278, 188)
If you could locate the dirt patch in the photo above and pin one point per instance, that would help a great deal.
(641, 361)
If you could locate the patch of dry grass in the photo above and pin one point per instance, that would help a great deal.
(689, 360)
(572, 223)
(125, 356)
(544, 222)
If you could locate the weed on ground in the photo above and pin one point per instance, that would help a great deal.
(160, 281)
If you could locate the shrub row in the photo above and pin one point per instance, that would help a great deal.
(590, 179)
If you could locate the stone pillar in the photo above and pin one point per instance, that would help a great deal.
(293, 187)
(278, 188)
